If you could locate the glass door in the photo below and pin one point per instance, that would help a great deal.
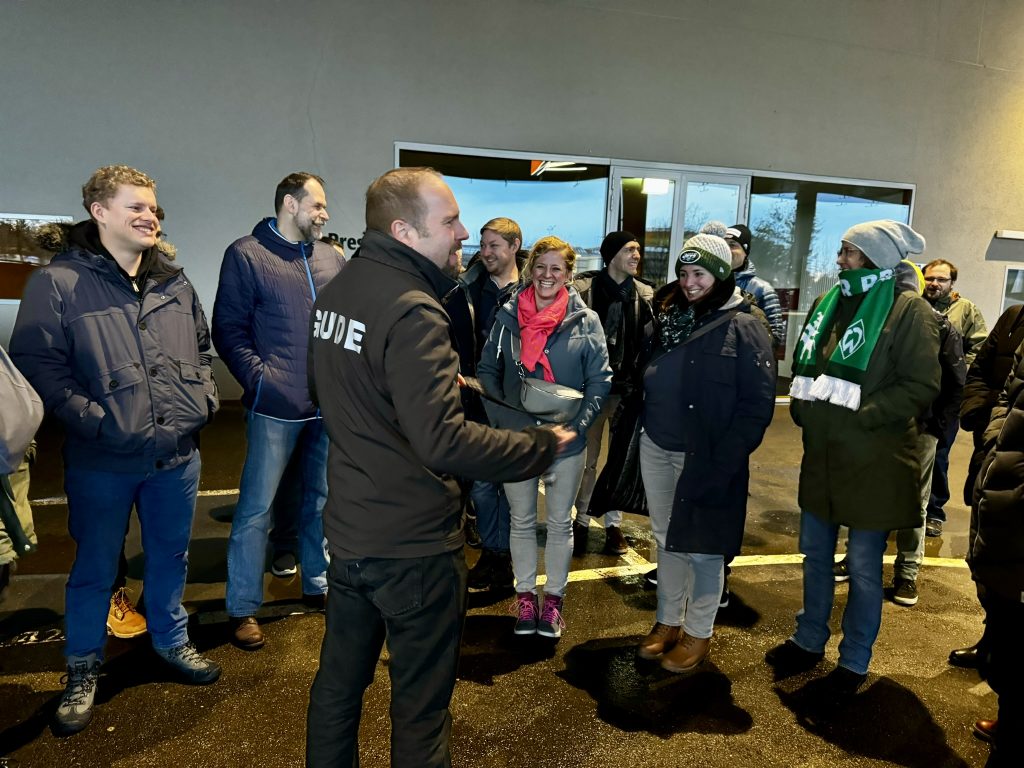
(645, 201)
(664, 207)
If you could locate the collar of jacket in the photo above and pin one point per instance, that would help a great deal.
(384, 249)
(83, 238)
(268, 236)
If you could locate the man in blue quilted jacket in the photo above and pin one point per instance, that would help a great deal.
(268, 282)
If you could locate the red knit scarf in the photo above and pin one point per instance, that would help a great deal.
(535, 325)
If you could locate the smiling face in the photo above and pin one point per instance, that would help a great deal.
(310, 213)
(497, 254)
(127, 221)
(850, 257)
(549, 275)
(438, 237)
(695, 281)
(626, 262)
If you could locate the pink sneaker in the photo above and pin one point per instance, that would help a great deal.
(551, 623)
(525, 608)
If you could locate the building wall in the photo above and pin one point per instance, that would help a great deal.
(219, 100)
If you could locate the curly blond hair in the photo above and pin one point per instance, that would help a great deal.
(103, 183)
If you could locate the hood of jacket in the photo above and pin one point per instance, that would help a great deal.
(268, 236)
(55, 238)
(82, 241)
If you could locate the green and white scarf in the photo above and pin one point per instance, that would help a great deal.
(844, 370)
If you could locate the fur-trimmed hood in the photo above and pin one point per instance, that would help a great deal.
(55, 238)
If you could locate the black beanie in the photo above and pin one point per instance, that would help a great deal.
(613, 243)
(741, 234)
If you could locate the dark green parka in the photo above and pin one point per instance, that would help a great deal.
(860, 468)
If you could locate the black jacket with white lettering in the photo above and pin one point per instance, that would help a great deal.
(384, 373)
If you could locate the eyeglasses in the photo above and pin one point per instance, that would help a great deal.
(942, 280)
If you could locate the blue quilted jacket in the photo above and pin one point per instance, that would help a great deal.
(261, 317)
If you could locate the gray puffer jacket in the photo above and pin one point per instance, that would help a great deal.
(128, 375)
(578, 356)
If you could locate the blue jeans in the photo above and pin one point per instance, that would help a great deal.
(99, 505)
(271, 443)
(862, 616)
(492, 514)
(418, 604)
(561, 483)
(940, 474)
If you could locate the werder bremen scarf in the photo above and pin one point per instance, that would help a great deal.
(844, 371)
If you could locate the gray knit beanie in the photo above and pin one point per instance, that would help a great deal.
(885, 242)
(708, 251)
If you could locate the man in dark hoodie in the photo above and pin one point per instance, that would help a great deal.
(113, 338)
(268, 282)
(385, 375)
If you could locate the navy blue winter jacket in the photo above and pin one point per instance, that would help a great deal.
(261, 317)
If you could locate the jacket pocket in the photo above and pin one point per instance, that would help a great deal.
(190, 407)
(125, 426)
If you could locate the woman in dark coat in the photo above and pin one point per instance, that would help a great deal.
(709, 395)
(866, 368)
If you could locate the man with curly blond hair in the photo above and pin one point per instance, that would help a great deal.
(113, 338)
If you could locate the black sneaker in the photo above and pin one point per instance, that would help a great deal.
(480, 575)
(75, 708)
(193, 667)
(790, 659)
(841, 571)
(904, 592)
(723, 601)
(284, 565)
(651, 577)
(933, 528)
(842, 684)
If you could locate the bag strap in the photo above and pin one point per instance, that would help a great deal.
(517, 353)
(727, 317)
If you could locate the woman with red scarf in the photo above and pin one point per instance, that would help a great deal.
(558, 339)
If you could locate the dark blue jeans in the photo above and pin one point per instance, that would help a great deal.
(99, 504)
(940, 474)
(418, 605)
(493, 519)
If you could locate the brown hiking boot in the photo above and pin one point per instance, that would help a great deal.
(662, 638)
(688, 654)
(122, 619)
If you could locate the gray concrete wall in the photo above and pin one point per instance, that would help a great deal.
(219, 100)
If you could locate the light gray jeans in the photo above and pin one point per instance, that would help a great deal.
(595, 436)
(689, 583)
(910, 541)
(561, 483)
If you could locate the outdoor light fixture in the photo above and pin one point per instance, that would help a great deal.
(537, 167)
(655, 186)
(1010, 234)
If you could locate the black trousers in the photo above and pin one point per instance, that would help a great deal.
(1003, 668)
(418, 605)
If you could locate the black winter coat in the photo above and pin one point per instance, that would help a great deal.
(730, 394)
(385, 373)
(986, 378)
(997, 548)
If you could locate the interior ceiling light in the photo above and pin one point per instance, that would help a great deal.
(537, 167)
(655, 186)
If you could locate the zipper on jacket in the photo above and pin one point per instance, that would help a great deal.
(309, 275)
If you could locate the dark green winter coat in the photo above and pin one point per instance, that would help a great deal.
(859, 467)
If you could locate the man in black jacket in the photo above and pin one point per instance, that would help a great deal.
(623, 302)
(385, 375)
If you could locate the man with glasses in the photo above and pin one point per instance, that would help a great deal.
(964, 315)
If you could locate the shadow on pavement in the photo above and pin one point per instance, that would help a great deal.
(637, 695)
(490, 649)
(885, 722)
